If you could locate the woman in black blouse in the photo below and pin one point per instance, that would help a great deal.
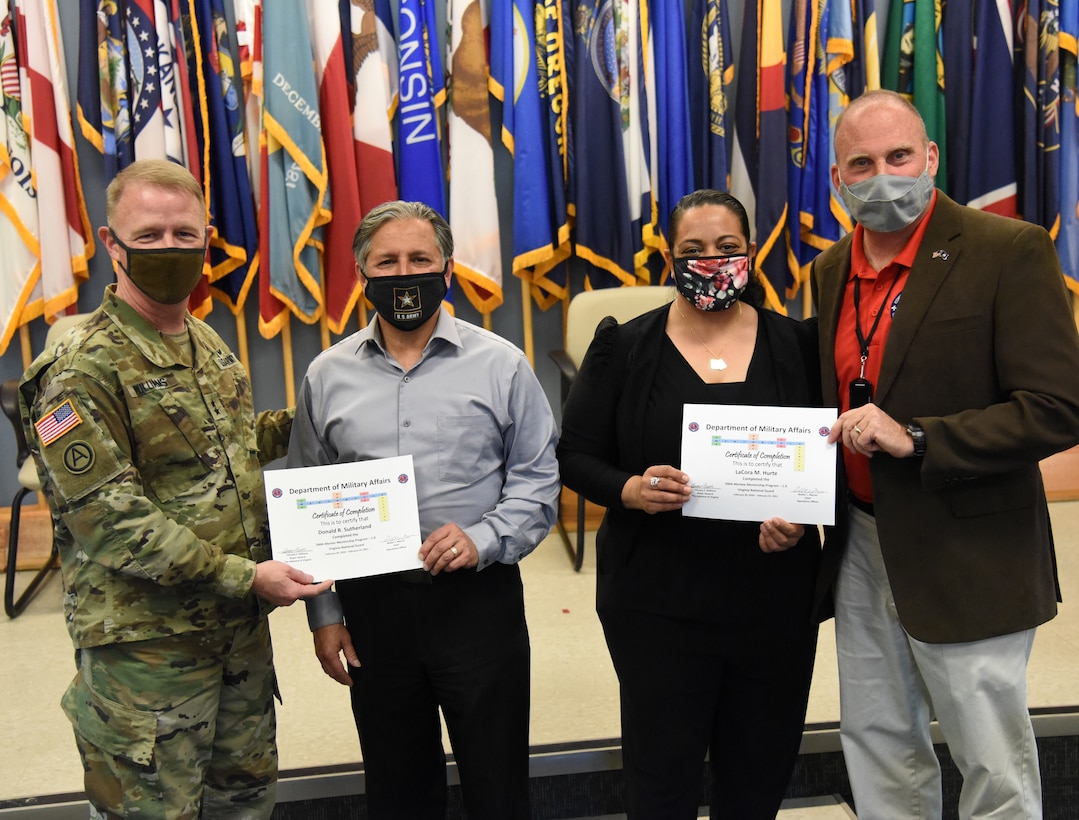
(711, 625)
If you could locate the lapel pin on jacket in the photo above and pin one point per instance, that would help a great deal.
(940, 254)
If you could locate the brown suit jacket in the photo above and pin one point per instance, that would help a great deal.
(983, 353)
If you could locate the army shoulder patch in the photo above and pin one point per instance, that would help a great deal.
(56, 423)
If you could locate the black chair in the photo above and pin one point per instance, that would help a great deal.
(28, 483)
(586, 311)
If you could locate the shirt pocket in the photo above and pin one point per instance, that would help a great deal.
(176, 456)
(469, 448)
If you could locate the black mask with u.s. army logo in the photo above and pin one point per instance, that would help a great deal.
(166, 275)
(406, 302)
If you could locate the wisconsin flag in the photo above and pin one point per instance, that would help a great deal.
(529, 76)
(421, 93)
(473, 205)
(294, 182)
(759, 165)
(64, 229)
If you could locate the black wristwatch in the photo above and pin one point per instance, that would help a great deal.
(917, 435)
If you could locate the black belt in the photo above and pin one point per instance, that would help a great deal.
(858, 504)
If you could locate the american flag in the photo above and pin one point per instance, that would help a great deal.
(55, 424)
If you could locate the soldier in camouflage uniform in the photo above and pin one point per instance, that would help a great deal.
(143, 430)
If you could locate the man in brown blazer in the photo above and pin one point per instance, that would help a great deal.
(947, 339)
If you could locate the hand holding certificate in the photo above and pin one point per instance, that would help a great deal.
(754, 463)
(346, 520)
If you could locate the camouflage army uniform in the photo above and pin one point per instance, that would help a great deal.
(152, 470)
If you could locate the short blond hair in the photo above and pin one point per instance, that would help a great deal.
(162, 173)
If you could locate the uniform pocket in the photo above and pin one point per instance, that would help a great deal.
(469, 447)
(111, 727)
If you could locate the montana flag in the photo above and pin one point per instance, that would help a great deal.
(710, 67)
(18, 205)
(294, 179)
(913, 66)
(672, 148)
(473, 205)
(421, 92)
(529, 76)
(374, 63)
(978, 45)
(759, 161)
(223, 154)
(1068, 237)
(65, 236)
(1038, 40)
(342, 287)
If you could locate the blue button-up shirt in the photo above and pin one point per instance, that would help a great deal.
(472, 415)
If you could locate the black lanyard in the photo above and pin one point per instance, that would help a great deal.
(863, 341)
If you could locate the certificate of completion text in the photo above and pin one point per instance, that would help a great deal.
(754, 463)
(345, 520)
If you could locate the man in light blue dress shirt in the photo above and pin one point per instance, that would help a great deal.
(467, 407)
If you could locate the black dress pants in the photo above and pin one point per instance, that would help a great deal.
(456, 641)
(688, 688)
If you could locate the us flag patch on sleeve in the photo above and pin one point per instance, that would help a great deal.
(53, 425)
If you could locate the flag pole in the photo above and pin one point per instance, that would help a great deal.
(24, 343)
(526, 320)
(286, 358)
(487, 325)
(241, 340)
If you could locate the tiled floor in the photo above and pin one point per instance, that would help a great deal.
(574, 689)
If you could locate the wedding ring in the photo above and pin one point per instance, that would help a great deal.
(653, 482)
(454, 551)
(857, 429)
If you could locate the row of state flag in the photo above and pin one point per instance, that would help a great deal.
(298, 117)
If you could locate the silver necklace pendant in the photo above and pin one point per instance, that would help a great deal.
(717, 364)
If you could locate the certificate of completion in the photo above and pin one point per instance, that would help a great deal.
(345, 520)
(755, 463)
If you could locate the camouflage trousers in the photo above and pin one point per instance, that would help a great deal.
(178, 727)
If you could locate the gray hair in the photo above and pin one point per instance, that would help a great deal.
(393, 212)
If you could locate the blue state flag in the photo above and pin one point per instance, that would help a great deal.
(528, 74)
(674, 152)
(603, 221)
(1068, 237)
(421, 92)
(223, 156)
(1038, 30)
(710, 72)
(104, 93)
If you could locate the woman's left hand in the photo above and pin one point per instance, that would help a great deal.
(778, 535)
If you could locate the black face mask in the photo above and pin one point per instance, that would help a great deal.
(406, 302)
(166, 275)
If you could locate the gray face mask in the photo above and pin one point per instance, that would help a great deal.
(885, 202)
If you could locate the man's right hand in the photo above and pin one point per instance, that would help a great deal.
(283, 585)
(330, 643)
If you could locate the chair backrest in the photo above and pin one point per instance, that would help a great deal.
(588, 308)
